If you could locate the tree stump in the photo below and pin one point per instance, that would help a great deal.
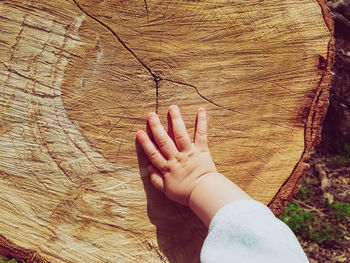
(77, 80)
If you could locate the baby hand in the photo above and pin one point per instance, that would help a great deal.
(177, 164)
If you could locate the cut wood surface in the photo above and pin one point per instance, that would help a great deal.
(77, 81)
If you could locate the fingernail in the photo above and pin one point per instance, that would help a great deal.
(174, 108)
(140, 133)
(152, 115)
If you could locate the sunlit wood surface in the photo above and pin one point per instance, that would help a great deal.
(77, 79)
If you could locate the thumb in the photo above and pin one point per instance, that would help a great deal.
(156, 178)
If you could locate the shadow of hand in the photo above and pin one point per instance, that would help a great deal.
(180, 234)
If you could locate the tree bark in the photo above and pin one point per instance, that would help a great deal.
(77, 80)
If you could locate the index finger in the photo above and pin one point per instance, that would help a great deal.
(164, 142)
(153, 154)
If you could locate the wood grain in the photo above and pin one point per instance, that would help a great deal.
(77, 80)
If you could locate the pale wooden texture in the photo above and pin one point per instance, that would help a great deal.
(77, 80)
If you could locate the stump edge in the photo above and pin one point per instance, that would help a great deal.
(314, 121)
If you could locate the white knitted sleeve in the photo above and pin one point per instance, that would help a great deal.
(247, 231)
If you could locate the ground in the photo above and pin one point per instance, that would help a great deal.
(320, 213)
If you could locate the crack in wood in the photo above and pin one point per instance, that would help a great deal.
(203, 97)
(156, 78)
(224, 107)
(146, 9)
(117, 37)
(157, 88)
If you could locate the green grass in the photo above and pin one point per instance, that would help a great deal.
(315, 216)
(6, 260)
(323, 227)
(341, 210)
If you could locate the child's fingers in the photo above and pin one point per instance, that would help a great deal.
(181, 137)
(170, 127)
(153, 154)
(149, 133)
(200, 136)
(164, 142)
(156, 178)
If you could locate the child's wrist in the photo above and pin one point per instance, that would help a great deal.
(211, 193)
